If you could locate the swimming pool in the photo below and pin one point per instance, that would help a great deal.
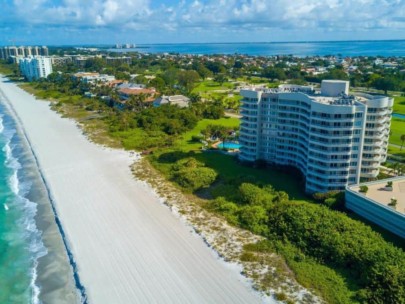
(396, 115)
(228, 145)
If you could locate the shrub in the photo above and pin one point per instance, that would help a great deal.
(228, 209)
(254, 218)
(332, 237)
(192, 175)
(363, 189)
(197, 138)
(254, 195)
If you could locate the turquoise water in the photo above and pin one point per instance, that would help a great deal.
(306, 48)
(228, 145)
(20, 241)
(396, 115)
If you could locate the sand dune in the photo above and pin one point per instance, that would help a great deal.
(128, 247)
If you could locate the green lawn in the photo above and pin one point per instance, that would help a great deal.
(397, 151)
(399, 105)
(210, 85)
(397, 129)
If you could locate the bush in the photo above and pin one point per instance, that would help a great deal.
(254, 218)
(332, 199)
(339, 241)
(254, 195)
(363, 189)
(192, 175)
(228, 209)
(197, 138)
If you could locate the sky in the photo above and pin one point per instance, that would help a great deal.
(87, 22)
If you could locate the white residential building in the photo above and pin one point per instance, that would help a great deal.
(35, 67)
(333, 138)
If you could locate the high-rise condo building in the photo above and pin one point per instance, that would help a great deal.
(35, 67)
(8, 52)
(332, 137)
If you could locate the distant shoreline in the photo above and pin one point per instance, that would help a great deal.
(355, 48)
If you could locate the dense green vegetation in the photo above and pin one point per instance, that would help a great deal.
(314, 237)
(399, 105)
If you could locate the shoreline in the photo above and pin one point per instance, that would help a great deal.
(216, 283)
(46, 218)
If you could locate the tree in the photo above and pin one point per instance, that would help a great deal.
(385, 84)
(187, 79)
(203, 71)
(402, 140)
(220, 78)
(274, 73)
(194, 97)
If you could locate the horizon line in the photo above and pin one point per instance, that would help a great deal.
(240, 42)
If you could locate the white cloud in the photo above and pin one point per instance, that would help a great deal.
(81, 13)
(210, 15)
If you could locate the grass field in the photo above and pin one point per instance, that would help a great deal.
(397, 129)
(399, 104)
(397, 151)
(210, 85)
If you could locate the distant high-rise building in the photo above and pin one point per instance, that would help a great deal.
(44, 51)
(35, 51)
(21, 51)
(28, 51)
(35, 67)
(8, 52)
(3, 53)
(13, 51)
(332, 137)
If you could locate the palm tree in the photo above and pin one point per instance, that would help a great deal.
(402, 140)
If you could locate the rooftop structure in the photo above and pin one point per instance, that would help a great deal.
(332, 137)
(178, 100)
(127, 89)
(383, 203)
(87, 77)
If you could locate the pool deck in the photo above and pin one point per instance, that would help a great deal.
(215, 145)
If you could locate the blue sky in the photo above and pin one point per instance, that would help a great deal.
(173, 21)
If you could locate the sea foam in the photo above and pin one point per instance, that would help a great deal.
(20, 188)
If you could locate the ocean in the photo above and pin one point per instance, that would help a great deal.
(20, 241)
(384, 48)
(34, 266)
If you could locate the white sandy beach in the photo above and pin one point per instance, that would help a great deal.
(129, 248)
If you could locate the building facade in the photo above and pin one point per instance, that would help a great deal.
(8, 52)
(332, 137)
(35, 67)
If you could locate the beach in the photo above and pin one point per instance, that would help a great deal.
(128, 247)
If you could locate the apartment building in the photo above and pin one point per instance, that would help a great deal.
(332, 137)
(8, 52)
(35, 67)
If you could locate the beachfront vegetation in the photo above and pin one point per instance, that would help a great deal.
(344, 260)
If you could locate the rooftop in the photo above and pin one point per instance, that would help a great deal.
(333, 92)
(379, 193)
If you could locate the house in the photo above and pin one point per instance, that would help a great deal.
(127, 89)
(178, 100)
